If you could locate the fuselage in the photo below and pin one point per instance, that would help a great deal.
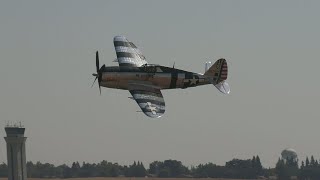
(121, 77)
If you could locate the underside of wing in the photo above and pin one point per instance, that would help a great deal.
(127, 53)
(149, 99)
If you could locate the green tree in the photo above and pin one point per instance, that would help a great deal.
(88, 170)
(136, 170)
(30, 169)
(210, 170)
(155, 167)
(59, 171)
(281, 170)
(3, 170)
(164, 173)
(307, 162)
(258, 166)
(253, 162)
(239, 163)
(175, 167)
(310, 172)
(75, 169)
(66, 171)
(238, 168)
(302, 165)
(312, 162)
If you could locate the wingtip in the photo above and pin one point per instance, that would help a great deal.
(120, 38)
(157, 115)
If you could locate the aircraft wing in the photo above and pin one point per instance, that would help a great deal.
(127, 53)
(149, 99)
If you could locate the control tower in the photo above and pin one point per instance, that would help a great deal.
(16, 152)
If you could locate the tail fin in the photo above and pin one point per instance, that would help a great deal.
(219, 73)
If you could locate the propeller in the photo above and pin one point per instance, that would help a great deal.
(98, 75)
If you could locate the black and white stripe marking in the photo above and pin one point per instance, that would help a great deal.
(150, 102)
(127, 53)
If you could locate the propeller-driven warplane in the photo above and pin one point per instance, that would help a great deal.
(145, 81)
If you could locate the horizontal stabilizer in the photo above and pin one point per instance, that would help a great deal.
(223, 87)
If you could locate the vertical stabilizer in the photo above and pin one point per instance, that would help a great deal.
(219, 71)
(218, 74)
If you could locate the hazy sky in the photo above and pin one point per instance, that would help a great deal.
(47, 51)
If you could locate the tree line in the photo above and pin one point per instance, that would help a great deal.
(309, 169)
(164, 169)
(236, 168)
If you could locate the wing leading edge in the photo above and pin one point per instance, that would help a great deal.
(149, 99)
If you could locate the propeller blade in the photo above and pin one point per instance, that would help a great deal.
(100, 77)
(94, 81)
(99, 72)
(97, 61)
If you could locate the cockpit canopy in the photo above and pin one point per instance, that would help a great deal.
(150, 68)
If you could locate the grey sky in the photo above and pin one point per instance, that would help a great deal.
(272, 48)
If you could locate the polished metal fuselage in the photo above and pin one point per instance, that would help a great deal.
(152, 75)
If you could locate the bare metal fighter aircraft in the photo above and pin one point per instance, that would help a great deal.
(144, 81)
